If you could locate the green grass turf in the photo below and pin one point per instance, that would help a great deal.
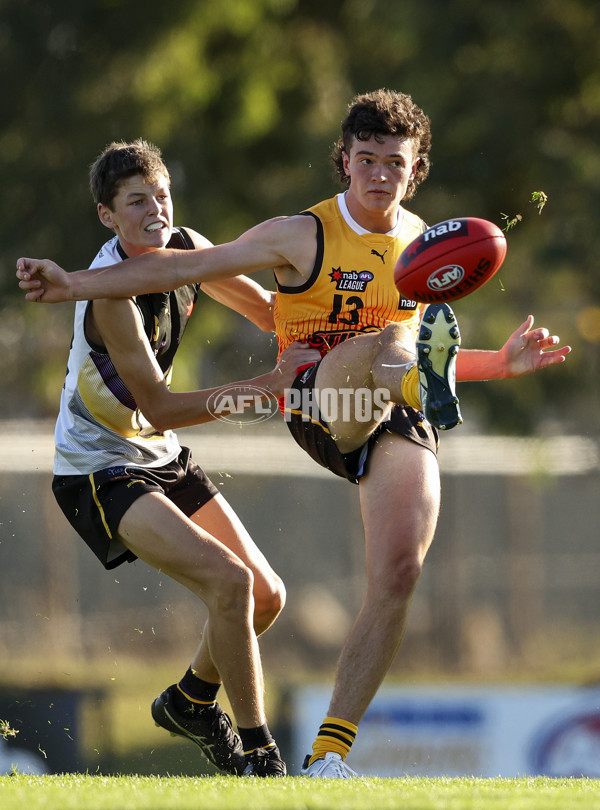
(73, 792)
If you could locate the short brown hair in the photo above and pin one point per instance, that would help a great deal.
(120, 160)
(380, 113)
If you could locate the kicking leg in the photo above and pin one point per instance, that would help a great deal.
(359, 379)
(356, 382)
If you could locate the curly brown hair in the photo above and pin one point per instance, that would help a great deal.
(120, 160)
(380, 113)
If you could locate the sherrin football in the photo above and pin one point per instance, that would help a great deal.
(450, 260)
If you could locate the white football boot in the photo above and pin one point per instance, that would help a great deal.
(332, 767)
(437, 346)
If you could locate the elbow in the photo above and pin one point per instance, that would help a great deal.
(159, 418)
(161, 425)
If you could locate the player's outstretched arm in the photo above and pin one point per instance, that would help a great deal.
(241, 293)
(45, 281)
(276, 242)
(526, 350)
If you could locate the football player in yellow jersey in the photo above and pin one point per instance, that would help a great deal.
(359, 411)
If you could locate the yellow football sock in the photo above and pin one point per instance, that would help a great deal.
(410, 388)
(334, 735)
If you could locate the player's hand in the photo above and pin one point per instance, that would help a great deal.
(529, 349)
(44, 280)
(285, 372)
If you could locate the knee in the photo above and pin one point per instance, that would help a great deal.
(233, 590)
(400, 579)
(397, 333)
(269, 601)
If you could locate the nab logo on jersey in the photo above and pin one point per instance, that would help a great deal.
(406, 304)
(354, 281)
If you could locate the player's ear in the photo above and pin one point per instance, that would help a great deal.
(106, 216)
(415, 166)
(346, 163)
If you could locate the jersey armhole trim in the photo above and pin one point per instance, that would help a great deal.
(181, 235)
(187, 239)
(96, 347)
(318, 260)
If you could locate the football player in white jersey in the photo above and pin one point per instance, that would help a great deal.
(131, 491)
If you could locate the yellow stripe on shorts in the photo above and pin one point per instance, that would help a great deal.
(98, 504)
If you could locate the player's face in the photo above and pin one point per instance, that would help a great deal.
(141, 214)
(379, 171)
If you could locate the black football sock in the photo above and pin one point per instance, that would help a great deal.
(253, 738)
(194, 693)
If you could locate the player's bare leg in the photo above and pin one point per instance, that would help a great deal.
(370, 368)
(219, 519)
(368, 363)
(159, 533)
(399, 502)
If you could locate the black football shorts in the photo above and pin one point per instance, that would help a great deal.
(94, 504)
(313, 434)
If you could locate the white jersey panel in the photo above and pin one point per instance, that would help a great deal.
(98, 424)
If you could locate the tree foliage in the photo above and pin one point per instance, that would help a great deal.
(245, 98)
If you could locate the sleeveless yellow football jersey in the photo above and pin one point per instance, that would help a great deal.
(351, 289)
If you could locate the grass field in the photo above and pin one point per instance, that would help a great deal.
(73, 792)
(134, 746)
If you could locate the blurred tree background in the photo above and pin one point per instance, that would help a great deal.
(245, 98)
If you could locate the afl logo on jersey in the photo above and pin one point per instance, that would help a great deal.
(352, 280)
